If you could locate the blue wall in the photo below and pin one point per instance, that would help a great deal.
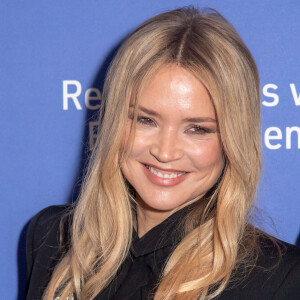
(49, 48)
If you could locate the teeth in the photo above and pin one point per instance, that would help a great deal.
(158, 174)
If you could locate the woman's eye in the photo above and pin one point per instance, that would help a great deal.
(145, 121)
(199, 130)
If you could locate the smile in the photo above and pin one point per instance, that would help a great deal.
(164, 177)
(164, 174)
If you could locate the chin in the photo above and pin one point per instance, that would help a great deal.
(162, 204)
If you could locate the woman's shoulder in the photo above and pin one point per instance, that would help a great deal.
(278, 267)
(46, 242)
(275, 252)
(49, 214)
(46, 223)
(274, 276)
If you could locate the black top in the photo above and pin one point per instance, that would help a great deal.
(140, 272)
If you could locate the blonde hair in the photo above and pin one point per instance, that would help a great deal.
(217, 238)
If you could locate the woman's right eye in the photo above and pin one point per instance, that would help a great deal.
(146, 121)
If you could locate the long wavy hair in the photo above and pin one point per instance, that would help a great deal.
(217, 237)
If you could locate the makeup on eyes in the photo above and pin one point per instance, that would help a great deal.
(200, 130)
(147, 117)
(191, 128)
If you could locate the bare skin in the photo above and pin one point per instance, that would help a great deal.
(176, 155)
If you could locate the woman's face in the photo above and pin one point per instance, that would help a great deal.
(176, 154)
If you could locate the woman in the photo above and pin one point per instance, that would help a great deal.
(165, 205)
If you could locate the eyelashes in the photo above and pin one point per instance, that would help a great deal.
(200, 130)
(192, 129)
(146, 121)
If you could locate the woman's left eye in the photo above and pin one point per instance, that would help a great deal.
(199, 130)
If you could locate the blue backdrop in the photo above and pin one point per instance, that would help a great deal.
(53, 59)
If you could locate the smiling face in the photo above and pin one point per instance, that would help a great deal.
(176, 154)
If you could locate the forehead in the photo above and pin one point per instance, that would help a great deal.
(174, 90)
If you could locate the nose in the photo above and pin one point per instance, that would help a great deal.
(166, 146)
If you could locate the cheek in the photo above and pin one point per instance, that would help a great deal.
(130, 142)
(208, 155)
(140, 145)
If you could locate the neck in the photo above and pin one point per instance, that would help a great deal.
(148, 219)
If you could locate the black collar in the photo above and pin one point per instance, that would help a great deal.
(167, 233)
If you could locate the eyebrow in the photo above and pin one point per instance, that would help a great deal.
(192, 120)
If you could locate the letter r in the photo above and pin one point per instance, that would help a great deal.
(73, 96)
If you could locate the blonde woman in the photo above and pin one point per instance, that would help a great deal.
(165, 206)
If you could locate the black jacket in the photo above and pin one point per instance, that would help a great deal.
(139, 273)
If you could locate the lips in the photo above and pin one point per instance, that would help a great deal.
(164, 174)
(164, 177)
